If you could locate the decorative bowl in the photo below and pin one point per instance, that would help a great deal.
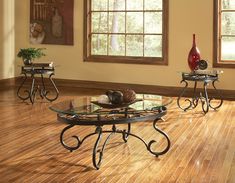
(112, 106)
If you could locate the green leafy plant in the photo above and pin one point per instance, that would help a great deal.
(31, 53)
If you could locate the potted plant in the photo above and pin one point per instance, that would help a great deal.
(29, 54)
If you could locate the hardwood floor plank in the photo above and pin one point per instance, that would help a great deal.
(202, 146)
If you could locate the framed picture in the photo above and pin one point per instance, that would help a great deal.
(51, 22)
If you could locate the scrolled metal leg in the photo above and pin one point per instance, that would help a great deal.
(100, 151)
(126, 134)
(153, 141)
(221, 100)
(148, 145)
(182, 93)
(33, 91)
(43, 89)
(205, 100)
(45, 92)
(195, 98)
(70, 148)
(26, 91)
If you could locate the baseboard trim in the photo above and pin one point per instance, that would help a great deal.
(139, 88)
(5, 83)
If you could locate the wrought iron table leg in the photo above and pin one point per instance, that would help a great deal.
(195, 98)
(205, 100)
(218, 93)
(99, 151)
(153, 141)
(182, 93)
(43, 89)
(126, 133)
(32, 90)
(70, 148)
(44, 92)
(26, 91)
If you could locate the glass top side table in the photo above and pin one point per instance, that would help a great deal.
(85, 111)
(206, 77)
(29, 72)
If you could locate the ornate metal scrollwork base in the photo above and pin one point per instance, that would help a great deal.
(25, 91)
(98, 153)
(44, 92)
(30, 94)
(70, 148)
(218, 93)
(203, 97)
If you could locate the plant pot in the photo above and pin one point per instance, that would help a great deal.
(27, 62)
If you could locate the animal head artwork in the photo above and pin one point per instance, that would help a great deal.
(37, 33)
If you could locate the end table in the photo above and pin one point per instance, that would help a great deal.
(31, 71)
(205, 77)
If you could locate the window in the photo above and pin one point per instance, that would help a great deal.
(126, 31)
(224, 33)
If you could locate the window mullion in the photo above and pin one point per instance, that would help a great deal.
(143, 27)
(108, 29)
(125, 25)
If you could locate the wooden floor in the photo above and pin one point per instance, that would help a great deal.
(202, 150)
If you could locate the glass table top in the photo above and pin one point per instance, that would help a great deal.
(202, 72)
(86, 105)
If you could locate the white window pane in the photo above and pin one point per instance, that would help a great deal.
(117, 45)
(117, 22)
(116, 4)
(153, 46)
(228, 23)
(134, 22)
(99, 5)
(99, 22)
(134, 45)
(99, 44)
(228, 4)
(153, 22)
(228, 48)
(134, 5)
(153, 5)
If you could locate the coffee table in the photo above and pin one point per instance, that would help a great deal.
(86, 111)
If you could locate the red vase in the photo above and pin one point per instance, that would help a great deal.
(193, 56)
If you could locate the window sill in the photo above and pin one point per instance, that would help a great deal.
(129, 60)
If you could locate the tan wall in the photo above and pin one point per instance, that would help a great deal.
(7, 39)
(186, 17)
(1, 39)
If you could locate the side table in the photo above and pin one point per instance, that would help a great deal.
(205, 77)
(30, 71)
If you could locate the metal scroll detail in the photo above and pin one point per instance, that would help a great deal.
(30, 94)
(44, 92)
(70, 148)
(166, 149)
(181, 95)
(99, 152)
(25, 91)
(203, 96)
(218, 93)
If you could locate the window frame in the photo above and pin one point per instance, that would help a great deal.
(125, 59)
(217, 61)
